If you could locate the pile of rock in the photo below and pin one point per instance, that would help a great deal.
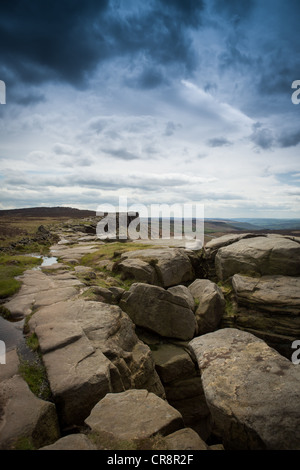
(159, 359)
(263, 272)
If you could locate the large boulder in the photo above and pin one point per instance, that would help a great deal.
(133, 415)
(252, 391)
(266, 255)
(166, 266)
(89, 349)
(210, 304)
(160, 311)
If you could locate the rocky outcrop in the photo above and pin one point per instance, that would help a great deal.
(113, 354)
(210, 304)
(267, 255)
(252, 391)
(160, 311)
(133, 415)
(90, 349)
(269, 307)
(164, 267)
(278, 294)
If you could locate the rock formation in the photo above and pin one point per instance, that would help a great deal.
(190, 343)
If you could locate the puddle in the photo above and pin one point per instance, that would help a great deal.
(11, 333)
(47, 260)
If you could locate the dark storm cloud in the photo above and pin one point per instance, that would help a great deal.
(235, 10)
(290, 139)
(262, 137)
(188, 11)
(26, 99)
(47, 40)
(151, 76)
(66, 40)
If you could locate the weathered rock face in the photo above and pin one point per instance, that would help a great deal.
(159, 310)
(212, 247)
(280, 294)
(269, 307)
(267, 255)
(139, 270)
(210, 304)
(183, 291)
(252, 391)
(173, 362)
(180, 377)
(165, 267)
(89, 349)
(37, 420)
(133, 414)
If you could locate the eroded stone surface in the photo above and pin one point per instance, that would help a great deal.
(159, 310)
(269, 255)
(252, 391)
(134, 414)
(172, 265)
(89, 349)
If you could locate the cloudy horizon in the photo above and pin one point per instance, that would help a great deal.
(165, 101)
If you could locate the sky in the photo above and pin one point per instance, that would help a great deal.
(158, 101)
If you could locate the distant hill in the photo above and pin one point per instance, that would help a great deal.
(212, 225)
(53, 212)
(270, 224)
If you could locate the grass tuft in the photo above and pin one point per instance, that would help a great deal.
(12, 266)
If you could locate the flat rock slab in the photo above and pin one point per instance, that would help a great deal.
(89, 349)
(39, 289)
(213, 245)
(134, 414)
(23, 415)
(270, 255)
(70, 253)
(280, 294)
(172, 265)
(160, 311)
(252, 391)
